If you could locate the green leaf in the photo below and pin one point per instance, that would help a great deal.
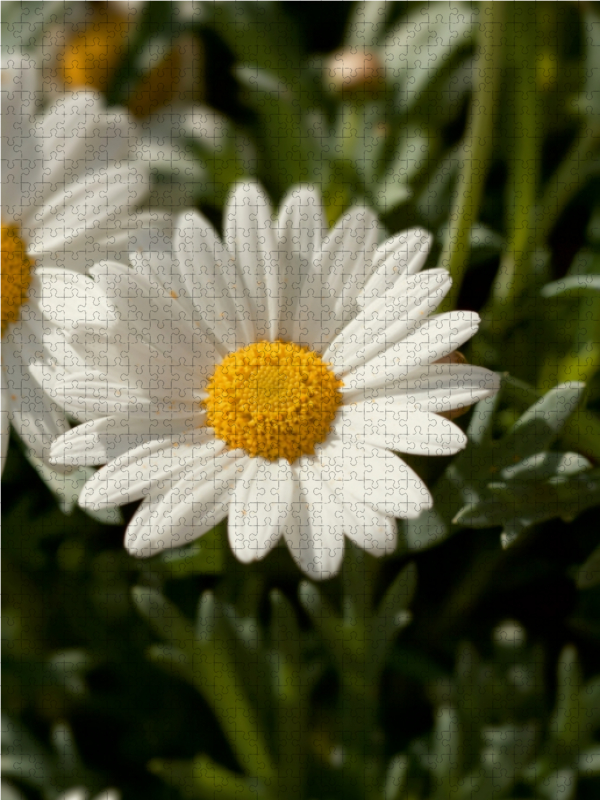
(203, 778)
(392, 614)
(291, 689)
(428, 39)
(565, 726)
(577, 286)
(540, 425)
(367, 23)
(206, 556)
(588, 574)
(533, 501)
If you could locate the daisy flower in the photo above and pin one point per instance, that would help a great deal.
(68, 190)
(271, 377)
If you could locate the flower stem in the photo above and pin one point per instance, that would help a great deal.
(478, 140)
(569, 177)
(522, 216)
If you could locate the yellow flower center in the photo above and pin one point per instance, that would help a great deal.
(92, 55)
(273, 399)
(16, 275)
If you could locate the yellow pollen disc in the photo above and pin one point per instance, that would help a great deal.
(92, 55)
(273, 399)
(16, 275)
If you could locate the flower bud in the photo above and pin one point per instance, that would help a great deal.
(354, 71)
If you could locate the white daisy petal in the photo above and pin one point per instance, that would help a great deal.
(79, 135)
(369, 474)
(314, 527)
(259, 508)
(433, 339)
(250, 235)
(434, 387)
(387, 320)
(301, 227)
(327, 297)
(197, 503)
(212, 282)
(70, 199)
(374, 532)
(132, 476)
(100, 440)
(82, 212)
(395, 427)
(404, 253)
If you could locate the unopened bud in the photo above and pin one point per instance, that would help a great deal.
(353, 71)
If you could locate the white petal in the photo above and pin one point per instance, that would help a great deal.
(374, 532)
(301, 227)
(84, 213)
(138, 472)
(404, 253)
(85, 396)
(435, 387)
(314, 529)
(67, 299)
(212, 282)
(327, 298)
(374, 476)
(392, 426)
(21, 163)
(33, 415)
(80, 136)
(433, 339)
(100, 440)
(197, 503)
(387, 320)
(250, 238)
(259, 509)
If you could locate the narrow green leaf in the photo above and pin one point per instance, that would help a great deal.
(565, 726)
(588, 574)
(577, 286)
(166, 620)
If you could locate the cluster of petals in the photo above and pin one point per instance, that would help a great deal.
(140, 339)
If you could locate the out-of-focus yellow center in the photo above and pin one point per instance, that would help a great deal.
(92, 55)
(16, 274)
(273, 399)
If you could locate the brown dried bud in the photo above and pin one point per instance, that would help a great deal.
(353, 71)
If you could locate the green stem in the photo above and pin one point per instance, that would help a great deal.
(569, 177)
(514, 273)
(473, 171)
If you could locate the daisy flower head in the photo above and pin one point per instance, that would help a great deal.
(69, 188)
(269, 377)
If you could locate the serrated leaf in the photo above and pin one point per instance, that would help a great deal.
(540, 425)
(545, 465)
(533, 501)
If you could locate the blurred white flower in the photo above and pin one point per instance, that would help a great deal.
(69, 190)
